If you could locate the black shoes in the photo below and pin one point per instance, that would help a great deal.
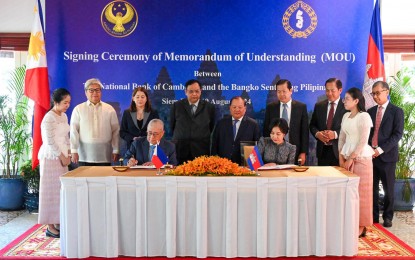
(387, 223)
(363, 234)
(50, 234)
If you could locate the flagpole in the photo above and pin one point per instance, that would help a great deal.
(36, 79)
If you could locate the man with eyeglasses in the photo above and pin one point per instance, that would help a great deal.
(388, 121)
(192, 121)
(94, 132)
(142, 149)
(325, 124)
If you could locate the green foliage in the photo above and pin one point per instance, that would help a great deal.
(30, 176)
(14, 123)
(402, 94)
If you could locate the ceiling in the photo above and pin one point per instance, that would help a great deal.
(397, 16)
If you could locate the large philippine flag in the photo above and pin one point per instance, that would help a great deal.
(36, 80)
(375, 69)
(255, 159)
(159, 157)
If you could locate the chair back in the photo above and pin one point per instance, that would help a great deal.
(246, 149)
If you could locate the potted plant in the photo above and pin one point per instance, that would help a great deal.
(14, 141)
(402, 94)
(32, 179)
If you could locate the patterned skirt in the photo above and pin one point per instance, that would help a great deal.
(49, 191)
(364, 169)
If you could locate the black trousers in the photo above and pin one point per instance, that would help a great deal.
(328, 158)
(385, 173)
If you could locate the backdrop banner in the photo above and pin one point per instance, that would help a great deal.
(233, 47)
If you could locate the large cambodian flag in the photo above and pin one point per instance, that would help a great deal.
(36, 80)
(375, 69)
(255, 159)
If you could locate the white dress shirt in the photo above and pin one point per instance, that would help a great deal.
(94, 132)
(237, 125)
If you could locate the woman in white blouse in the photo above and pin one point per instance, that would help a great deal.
(355, 154)
(54, 158)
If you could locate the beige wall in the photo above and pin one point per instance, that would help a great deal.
(16, 16)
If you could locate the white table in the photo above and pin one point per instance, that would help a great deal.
(106, 214)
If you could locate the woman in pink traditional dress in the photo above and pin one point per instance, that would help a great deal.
(54, 158)
(355, 154)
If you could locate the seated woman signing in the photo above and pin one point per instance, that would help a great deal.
(275, 149)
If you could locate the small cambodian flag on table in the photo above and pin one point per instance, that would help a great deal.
(255, 159)
(159, 157)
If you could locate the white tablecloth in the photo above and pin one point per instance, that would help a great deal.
(209, 216)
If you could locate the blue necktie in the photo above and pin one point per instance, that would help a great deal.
(151, 152)
(285, 116)
(285, 112)
(234, 128)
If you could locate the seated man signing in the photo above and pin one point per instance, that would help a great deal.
(142, 149)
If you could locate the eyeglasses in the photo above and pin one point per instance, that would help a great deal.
(377, 93)
(155, 134)
(92, 90)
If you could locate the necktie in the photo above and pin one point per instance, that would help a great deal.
(234, 128)
(193, 108)
(151, 152)
(285, 116)
(285, 112)
(330, 117)
(377, 125)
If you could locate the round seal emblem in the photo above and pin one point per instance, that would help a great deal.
(299, 20)
(119, 18)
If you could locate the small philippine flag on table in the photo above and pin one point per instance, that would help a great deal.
(159, 157)
(255, 159)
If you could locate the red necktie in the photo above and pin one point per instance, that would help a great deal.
(377, 125)
(330, 117)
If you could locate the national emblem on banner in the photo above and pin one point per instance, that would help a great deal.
(302, 23)
(119, 18)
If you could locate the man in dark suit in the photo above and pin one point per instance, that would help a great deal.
(295, 113)
(325, 124)
(192, 122)
(231, 130)
(388, 121)
(142, 149)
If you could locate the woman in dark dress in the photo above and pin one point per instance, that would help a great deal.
(135, 119)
